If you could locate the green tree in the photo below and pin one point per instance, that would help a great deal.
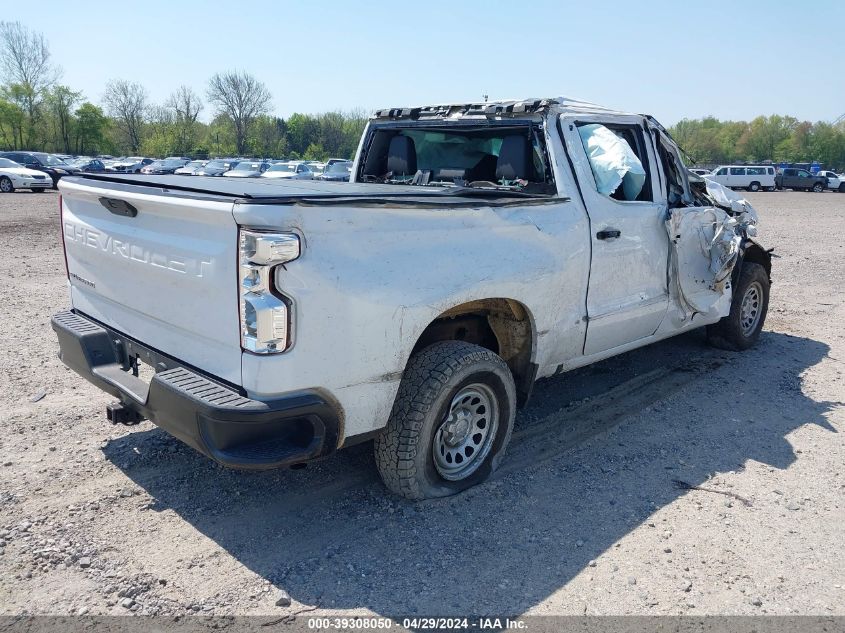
(91, 127)
(61, 101)
(12, 120)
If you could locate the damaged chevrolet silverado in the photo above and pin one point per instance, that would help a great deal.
(478, 248)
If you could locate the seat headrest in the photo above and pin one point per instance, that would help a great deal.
(514, 159)
(402, 156)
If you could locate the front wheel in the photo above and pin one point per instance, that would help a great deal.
(754, 186)
(741, 328)
(818, 187)
(451, 421)
(6, 185)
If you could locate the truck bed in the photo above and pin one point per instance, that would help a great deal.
(284, 191)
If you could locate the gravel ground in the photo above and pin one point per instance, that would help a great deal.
(583, 517)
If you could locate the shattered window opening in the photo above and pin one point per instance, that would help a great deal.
(512, 156)
(618, 161)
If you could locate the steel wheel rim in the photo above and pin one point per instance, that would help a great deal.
(751, 308)
(5, 185)
(466, 435)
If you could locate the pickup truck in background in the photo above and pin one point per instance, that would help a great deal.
(799, 180)
(477, 249)
(835, 182)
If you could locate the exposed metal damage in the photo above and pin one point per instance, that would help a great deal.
(715, 228)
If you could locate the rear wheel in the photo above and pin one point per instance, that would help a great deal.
(754, 186)
(6, 185)
(451, 421)
(818, 187)
(741, 328)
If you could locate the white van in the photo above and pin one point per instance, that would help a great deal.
(749, 177)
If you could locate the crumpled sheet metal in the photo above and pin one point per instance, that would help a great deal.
(730, 200)
(706, 249)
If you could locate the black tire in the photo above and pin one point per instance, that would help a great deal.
(730, 333)
(754, 186)
(434, 377)
(818, 187)
(6, 185)
(841, 187)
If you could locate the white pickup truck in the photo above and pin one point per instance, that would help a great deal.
(478, 248)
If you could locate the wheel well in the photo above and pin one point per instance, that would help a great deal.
(503, 326)
(758, 255)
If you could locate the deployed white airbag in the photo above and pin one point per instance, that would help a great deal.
(613, 161)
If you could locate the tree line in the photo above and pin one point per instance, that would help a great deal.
(775, 138)
(39, 113)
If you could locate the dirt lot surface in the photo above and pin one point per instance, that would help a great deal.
(583, 517)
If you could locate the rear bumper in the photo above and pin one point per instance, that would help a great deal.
(212, 417)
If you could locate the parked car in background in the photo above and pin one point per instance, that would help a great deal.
(40, 161)
(800, 180)
(164, 166)
(130, 165)
(88, 164)
(835, 182)
(217, 167)
(339, 171)
(750, 177)
(332, 161)
(295, 170)
(700, 172)
(15, 176)
(191, 168)
(316, 167)
(248, 169)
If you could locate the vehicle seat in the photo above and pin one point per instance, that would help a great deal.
(514, 161)
(449, 174)
(485, 169)
(402, 156)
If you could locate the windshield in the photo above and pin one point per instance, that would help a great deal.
(282, 167)
(49, 159)
(477, 154)
(218, 164)
(248, 167)
(5, 162)
(194, 163)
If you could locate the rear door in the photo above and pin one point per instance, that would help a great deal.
(157, 266)
(627, 296)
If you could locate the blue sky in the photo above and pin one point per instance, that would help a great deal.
(671, 59)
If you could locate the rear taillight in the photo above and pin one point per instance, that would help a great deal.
(265, 313)
(62, 235)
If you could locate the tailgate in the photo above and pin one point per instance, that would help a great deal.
(166, 276)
